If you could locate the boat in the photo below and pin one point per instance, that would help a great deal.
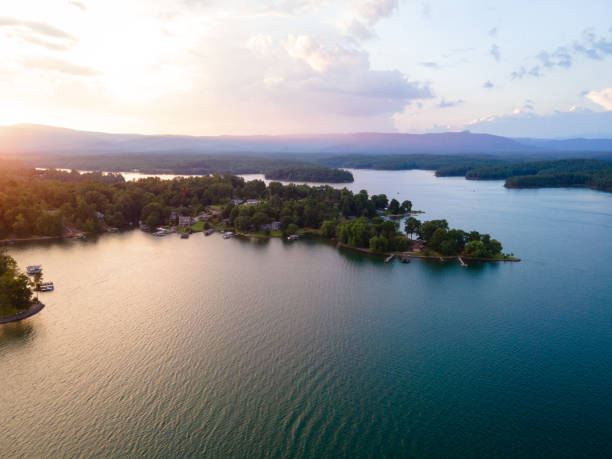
(33, 269)
(44, 287)
(184, 235)
(228, 235)
(294, 237)
(208, 232)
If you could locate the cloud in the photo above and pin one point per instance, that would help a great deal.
(288, 7)
(558, 58)
(523, 72)
(431, 65)
(590, 45)
(336, 79)
(373, 11)
(357, 30)
(603, 97)
(78, 5)
(57, 65)
(493, 32)
(38, 33)
(38, 27)
(35, 40)
(495, 52)
(449, 103)
(488, 85)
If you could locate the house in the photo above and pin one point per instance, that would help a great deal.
(173, 216)
(251, 202)
(237, 202)
(100, 215)
(185, 221)
(274, 226)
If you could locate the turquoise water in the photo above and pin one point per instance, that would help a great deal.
(231, 348)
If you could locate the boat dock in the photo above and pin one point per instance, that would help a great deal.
(389, 258)
(463, 264)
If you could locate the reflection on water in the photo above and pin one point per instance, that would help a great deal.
(15, 334)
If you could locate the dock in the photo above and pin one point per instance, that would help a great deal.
(463, 264)
(389, 258)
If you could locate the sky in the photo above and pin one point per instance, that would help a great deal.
(519, 68)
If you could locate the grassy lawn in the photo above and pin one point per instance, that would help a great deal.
(262, 234)
(196, 227)
(7, 311)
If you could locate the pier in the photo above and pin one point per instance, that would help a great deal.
(463, 264)
(389, 258)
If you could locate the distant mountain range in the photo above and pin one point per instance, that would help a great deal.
(37, 139)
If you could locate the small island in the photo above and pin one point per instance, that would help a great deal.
(310, 174)
(53, 203)
(16, 301)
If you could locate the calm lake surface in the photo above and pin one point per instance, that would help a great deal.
(235, 348)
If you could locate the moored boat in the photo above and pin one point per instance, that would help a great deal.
(44, 287)
(33, 269)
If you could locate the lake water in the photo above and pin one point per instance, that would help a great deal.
(234, 348)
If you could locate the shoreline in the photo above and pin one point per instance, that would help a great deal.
(30, 239)
(312, 233)
(32, 310)
(424, 257)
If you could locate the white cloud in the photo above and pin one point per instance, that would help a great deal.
(373, 11)
(603, 97)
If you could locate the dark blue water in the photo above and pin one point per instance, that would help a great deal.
(229, 348)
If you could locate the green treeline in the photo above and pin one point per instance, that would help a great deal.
(569, 172)
(444, 165)
(15, 291)
(43, 202)
(40, 203)
(437, 236)
(310, 174)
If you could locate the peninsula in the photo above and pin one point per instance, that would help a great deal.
(54, 203)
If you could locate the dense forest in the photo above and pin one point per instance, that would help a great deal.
(310, 174)
(521, 171)
(568, 172)
(444, 165)
(52, 203)
(15, 291)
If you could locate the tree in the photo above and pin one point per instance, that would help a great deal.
(15, 291)
(412, 225)
(259, 219)
(428, 229)
(243, 223)
(292, 229)
(380, 201)
(394, 206)
(379, 244)
(328, 228)
(475, 249)
(406, 207)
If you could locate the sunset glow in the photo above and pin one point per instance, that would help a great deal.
(308, 66)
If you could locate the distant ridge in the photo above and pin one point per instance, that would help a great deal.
(39, 139)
